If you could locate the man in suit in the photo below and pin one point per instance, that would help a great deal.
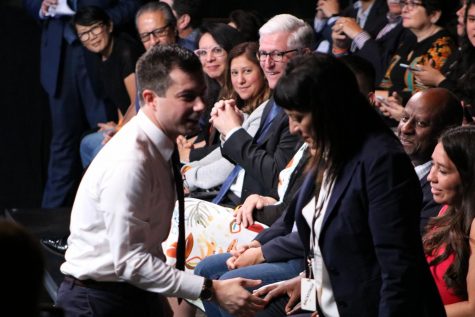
(75, 103)
(260, 159)
(427, 114)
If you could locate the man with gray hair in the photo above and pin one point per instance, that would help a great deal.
(259, 159)
(123, 208)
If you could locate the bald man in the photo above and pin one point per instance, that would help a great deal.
(426, 115)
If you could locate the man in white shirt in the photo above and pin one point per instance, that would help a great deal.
(122, 211)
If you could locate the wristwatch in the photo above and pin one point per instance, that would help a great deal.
(207, 290)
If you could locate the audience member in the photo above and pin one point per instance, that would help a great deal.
(188, 14)
(215, 42)
(427, 114)
(377, 50)
(114, 261)
(370, 15)
(259, 159)
(248, 91)
(431, 44)
(75, 104)
(357, 206)
(450, 240)
(156, 24)
(459, 76)
(246, 22)
(116, 56)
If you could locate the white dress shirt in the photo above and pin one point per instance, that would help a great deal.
(122, 213)
(325, 296)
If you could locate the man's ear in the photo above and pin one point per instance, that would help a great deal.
(183, 22)
(149, 97)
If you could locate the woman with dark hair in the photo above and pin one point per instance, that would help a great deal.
(431, 45)
(450, 239)
(458, 73)
(247, 22)
(115, 57)
(357, 213)
(214, 44)
(245, 87)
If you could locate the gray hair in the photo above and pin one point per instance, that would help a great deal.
(156, 6)
(301, 36)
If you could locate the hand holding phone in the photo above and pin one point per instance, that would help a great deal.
(414, 69)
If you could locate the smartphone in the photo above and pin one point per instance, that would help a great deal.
(382, 100)
(410, 67)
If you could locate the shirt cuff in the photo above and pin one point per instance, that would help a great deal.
(230, 133)
(360, 39)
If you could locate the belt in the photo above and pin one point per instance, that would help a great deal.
(107, 286)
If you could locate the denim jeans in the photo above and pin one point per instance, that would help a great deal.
(214, 267)
(91, 144)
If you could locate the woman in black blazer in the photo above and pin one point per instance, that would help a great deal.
(362, 202)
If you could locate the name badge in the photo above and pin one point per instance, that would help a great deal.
(308, 294)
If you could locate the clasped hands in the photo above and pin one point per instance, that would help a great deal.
(226, 116)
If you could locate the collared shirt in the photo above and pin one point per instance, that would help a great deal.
(423, 169)
(325, 296)
(122, 214)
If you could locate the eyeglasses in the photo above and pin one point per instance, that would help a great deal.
(276, 56)
(217, 51)
(95, 30)
(157, 33)
(411, 5)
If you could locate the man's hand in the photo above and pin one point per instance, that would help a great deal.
(233, 296)
(290, 287)
(349, 26)
(328, 7)
(392, 107)
(46, 4)
(226, 116)
(244, 213)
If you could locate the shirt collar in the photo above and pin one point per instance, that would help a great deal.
(163, 144)
(423, 169)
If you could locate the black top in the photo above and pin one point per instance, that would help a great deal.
(119, 65)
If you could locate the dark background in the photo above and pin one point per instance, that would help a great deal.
(24, 119)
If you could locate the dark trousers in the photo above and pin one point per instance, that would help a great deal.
(75, 108)
(105, 299)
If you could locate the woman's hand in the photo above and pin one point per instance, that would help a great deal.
(236, 253)
(428, 75)
(244, 214)
(226, 116)
(290, 288)
(103, 126)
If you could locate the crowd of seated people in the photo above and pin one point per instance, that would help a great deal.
(350, 141)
